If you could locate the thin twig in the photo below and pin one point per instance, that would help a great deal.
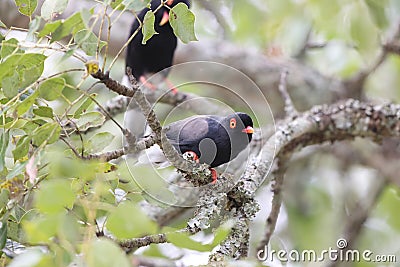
(275, 209)
(355, 84)
(134, 243)
(290, 110)
(209, 6)
(393, 48)
(161, 139)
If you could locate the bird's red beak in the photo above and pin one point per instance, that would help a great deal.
(248, 130)
(169, 2)
(165, 18)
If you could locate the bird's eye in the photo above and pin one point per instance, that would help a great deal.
(232, 123)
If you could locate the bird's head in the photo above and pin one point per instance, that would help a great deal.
(239, 124)
(165, 10)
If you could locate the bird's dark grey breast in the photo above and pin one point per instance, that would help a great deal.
(205, 136)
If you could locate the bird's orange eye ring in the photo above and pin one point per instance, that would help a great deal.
(232, 123)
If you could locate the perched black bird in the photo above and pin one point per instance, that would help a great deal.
(153, 57)
(157, 54)
(213, 140)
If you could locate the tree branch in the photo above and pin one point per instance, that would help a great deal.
(197, 173)
(290, 109)
(341, 121)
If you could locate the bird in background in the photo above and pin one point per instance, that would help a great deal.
(155, 56)
(213, 140)
(158, 52)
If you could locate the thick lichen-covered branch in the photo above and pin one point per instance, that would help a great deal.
(342, 121)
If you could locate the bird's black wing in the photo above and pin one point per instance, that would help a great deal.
(189, 130)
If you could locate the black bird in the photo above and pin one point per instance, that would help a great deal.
(213, 140)
(157, 54)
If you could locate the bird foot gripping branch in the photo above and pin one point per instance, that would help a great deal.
(201, 176)
(192, 156)
(153, 87)
(214, 175)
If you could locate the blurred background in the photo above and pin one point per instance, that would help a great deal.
(333, 50)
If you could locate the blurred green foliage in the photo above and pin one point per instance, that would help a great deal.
(55, 201)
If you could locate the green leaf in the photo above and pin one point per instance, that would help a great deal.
(43, 112)
(42, 228)
(183, 240)
(71, 25)
(129, 221)
(4, 198)
(50, 28)
(376, 10)
(29, 67)
(222, 232)
(14, 229)
(10, 84)
(51, 8)
(54, 196)
(22, 148)
(99, 141)
(8, 47)
(148, 26)
(2, 25)
(116, 4)
(33, 28)
(135, 5)
(59, 29)
(4, 140)
(17, 213)
(26, 7)
(3, 233)
(7, 121)
(88, 41)
(18, 169)
(14, 124)
(106, 167)
(68, 54)
(8, 66)
(65, 167)
(49, 132)
(28, 102)
(52, 88)
(182, 22)
(84, 106)
(90, 119)
(29, 127)
(97, 250)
